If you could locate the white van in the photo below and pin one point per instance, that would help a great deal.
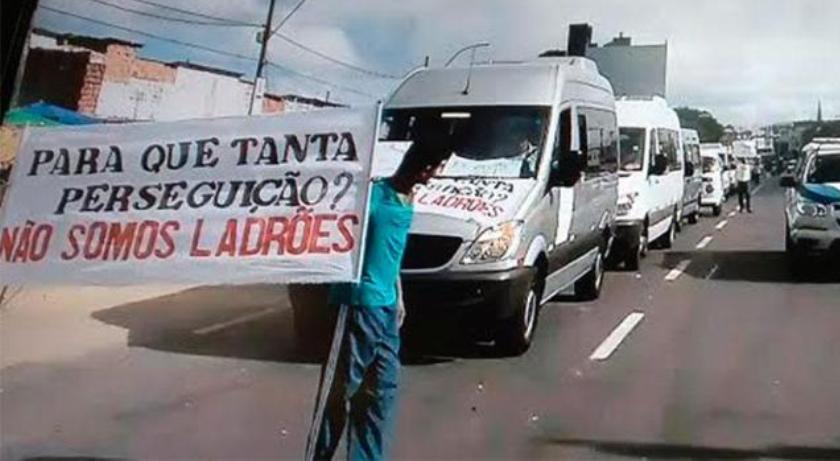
(651, 181)
(713, 192)
(693, 176)
(525, 206)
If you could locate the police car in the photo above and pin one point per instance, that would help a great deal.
(813, 200)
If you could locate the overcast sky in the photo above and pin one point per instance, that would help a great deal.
(747, 61)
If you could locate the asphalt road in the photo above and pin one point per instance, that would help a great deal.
(730, 356)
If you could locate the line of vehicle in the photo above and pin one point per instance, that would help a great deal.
(235, 321)
(721, 224)
(704, 242)
(677, 271)
(611, 343)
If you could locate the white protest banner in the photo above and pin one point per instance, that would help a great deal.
(487, 192)
(278, 199)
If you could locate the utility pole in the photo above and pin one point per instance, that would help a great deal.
(259, 81)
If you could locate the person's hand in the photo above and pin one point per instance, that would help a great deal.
(400, 312)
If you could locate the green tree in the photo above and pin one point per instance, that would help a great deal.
(709, 129)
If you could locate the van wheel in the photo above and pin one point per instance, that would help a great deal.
(717, 209)
(692, 218)
(678, 215)
(667, 240)
(515, 334)
(588, 287)
(633, 258)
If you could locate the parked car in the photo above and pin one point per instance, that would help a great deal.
(713, 194)
(651, 179)
(813, 202)
(525, 207)
(693, 176)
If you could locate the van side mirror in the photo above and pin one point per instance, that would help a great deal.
(566, 171)
(787, 181)
(660, 165)
(689, 168)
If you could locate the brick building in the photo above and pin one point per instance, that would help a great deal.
(105, 78)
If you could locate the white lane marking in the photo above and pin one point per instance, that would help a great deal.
(704, 242)
(611, 343)
(732, 213)
(236, 321)
(677, 271)
(757, 188)
(712, 272)
(721, 224)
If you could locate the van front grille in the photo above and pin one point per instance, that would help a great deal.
(429, 251)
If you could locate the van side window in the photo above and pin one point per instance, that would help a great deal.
(669, 146)
(563, 141)
(583, 134)
(654, 149)
(601, 141)
(609, 156)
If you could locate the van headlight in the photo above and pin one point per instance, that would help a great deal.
(811, 209)
(495, 243)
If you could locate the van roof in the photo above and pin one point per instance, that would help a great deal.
(646, 112)
(532, 83)
(823, 146)
(712, 148)
(690, 136)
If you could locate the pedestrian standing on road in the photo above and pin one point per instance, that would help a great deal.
(743, 176)
(367, 368)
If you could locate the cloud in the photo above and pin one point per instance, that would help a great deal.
(749, 61)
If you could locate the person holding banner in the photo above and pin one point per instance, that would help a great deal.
(367, 366)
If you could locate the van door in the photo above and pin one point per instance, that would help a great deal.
(676, 165)
(656, 186)
(602, 166)
(671, 185)
(563, 197)
(693, 183)
(575, 214)
(588, 199)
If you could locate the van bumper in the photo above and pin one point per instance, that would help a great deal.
(490, 295)
(817, 240)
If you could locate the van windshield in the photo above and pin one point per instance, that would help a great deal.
(632, 148)
(709, 164)
(824, 169)
(492, 141)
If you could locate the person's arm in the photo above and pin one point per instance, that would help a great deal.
(400, 303)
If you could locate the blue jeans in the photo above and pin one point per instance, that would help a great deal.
(366, 378)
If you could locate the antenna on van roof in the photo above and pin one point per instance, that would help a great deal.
(472, 62)
(466, 48)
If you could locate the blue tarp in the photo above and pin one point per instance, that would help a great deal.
(59, 115)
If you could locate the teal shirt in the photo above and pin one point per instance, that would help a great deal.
(389, 220)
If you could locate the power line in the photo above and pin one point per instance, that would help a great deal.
(167, 18)
(333, 60)
(287, 17)
(211, 50)
(194, 13)
(147, 34)
(320, 80)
